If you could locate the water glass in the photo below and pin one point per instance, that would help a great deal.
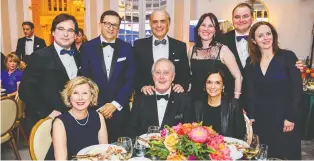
(153, 129)
(126, 143)
(262, 155)
(140, 149)
(253, 149)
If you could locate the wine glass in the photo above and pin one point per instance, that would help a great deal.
(126, 143)
(262, 155)
(253, 149)
(153, 130)
(140, 149)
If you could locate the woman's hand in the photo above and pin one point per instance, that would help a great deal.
(288, 126)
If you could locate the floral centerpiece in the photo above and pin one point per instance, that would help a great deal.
(308, 79)
(189, 142)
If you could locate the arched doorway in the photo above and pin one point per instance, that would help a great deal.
(44, 11)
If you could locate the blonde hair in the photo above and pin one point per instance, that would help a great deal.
(14, 58)
(80, 80)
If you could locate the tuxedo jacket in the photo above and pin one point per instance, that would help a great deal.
(145, 113)
(143, 49)
(20, 49)
(43, 80)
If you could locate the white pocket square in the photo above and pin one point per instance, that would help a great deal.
(37, 46)
(176, 59)
(121, 59)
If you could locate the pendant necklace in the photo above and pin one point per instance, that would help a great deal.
(78, 121)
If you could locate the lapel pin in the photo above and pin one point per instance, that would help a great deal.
(172, 101)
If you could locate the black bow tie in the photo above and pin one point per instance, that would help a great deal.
(104, 44)
(239, 38)
(163, 41)
(166, 97)
(29, 40)
(71, 52)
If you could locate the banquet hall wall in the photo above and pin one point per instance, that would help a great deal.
(293, 19)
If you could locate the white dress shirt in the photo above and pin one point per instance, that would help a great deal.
(108, 54)
(67, 61)
(161, 106)
(242, 48)
(29, 46)
(160, 51)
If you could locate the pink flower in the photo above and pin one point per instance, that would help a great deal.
(192, 157)
(178, 129)
(198, 135)
(164, 132)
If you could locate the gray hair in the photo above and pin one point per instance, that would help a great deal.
(160, 10)
(173, 68)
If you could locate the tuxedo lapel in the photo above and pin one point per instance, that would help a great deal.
(152, 104)
(233, 48)
(35, 43)
(100, 54)
(116, 53)
(149, 50)
(171, 110)
(57, 60)
(171, 49)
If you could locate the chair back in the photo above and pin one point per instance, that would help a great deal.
(40, 139)
(21, 107)
(8, 114)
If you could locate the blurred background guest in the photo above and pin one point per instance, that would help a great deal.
(79, 127)
(218, 110)
(30, 43)
(2, 62)
(11, 77)
(274, 93)
(79, 39)
(209, 53)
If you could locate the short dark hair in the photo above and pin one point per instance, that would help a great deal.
(244, 5)
(111, 13)
(63, 17)
(30, 24)
(216, 37)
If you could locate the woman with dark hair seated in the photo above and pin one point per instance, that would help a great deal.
(219, 111)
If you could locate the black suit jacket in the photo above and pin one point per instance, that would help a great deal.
(43, 80)
(143, 49)
(20, 49)
(144, 112)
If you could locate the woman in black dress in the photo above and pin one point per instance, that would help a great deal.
(274, 92)
(209, 53)
(217, 109)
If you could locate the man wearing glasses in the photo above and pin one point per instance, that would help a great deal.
(49, 69)
(109, 62)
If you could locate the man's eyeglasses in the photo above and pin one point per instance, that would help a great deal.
(108, 25)
(61, 29)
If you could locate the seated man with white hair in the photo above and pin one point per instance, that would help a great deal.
(164, 107)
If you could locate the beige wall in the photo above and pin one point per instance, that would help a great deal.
(293, 20)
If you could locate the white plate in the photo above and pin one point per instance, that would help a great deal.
(146, 137)
(139, 158)
(234, 152)
(95, 149)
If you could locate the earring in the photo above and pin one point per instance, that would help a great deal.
(223, 88)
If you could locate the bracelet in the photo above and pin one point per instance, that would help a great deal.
(237, 93)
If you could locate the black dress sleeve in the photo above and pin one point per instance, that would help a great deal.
(293, 112)
(250, 90)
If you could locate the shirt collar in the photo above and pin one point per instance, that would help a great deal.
(166, 38)
(168, 92)
(102, 39)
(31, 37)
(58, 47)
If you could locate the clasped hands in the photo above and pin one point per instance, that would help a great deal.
(287, 125)
(149, 90)
(107, 110)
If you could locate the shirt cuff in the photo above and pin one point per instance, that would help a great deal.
(117, 105)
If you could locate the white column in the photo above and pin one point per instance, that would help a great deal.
(186, 21)
(1, 35)
(100, 8)
(170, 10)
(13, 23)
(114, 5)
(87, 20)
(28, 13)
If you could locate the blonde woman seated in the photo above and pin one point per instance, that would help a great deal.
(79, 127)
(218, 110)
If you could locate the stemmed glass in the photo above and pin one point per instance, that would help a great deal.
(262, 155)
(140, 149)
(254, 146)
(126, 143)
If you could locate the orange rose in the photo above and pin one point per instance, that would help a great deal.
(303, 75)
(175, 156)
(186, 128)
(312, 75)
(308, 71)
(170, 141)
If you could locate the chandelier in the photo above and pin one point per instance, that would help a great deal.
(78, 3)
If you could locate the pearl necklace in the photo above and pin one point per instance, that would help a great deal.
(79, 122)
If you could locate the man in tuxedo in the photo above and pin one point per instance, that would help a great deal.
(49, 69)
(109, 62)
(164, 107)
(28, 44)
(149, 50)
